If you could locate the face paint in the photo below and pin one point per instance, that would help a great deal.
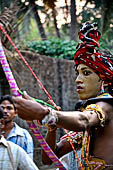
(87, 81)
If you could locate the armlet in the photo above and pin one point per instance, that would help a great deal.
(97, 109)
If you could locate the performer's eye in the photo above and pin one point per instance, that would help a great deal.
(86, 72)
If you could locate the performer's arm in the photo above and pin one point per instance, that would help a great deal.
(71, 120)
(51, 140)
(79, 121)
(60, 149)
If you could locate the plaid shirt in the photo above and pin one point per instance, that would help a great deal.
(22, 138)
(20, 157)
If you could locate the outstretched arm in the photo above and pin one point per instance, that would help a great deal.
(75, 121)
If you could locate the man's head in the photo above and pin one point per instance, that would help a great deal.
(87, 53)
(8, 107)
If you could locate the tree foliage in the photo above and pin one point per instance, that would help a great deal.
(46, 17)
(54, 48)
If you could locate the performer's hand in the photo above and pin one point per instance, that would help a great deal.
(26, 96)
(53, 104)
(29, 109)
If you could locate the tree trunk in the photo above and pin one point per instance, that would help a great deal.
(55, 25)
(102, 16)
(73, 27)
(38, 20)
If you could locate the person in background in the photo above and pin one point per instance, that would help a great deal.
(12, 156)
(92, 126)
(13, 132)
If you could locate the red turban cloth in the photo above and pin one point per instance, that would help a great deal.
(88, 53)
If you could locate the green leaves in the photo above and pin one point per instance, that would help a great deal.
(65, 49)
(54, 48)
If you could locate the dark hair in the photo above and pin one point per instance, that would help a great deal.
(1, 112)
(9, 98)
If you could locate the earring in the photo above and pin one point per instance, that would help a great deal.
(102, 88)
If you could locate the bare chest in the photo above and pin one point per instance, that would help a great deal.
(101, 142)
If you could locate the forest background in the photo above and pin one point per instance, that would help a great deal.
(50, 27)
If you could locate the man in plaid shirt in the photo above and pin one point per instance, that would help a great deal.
(12, 156)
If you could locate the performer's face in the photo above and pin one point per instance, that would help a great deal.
(87, 81)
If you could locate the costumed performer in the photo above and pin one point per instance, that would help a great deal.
(95, 121)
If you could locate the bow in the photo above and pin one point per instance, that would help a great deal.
(14, 88)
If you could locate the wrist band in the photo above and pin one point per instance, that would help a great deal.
(51, 119)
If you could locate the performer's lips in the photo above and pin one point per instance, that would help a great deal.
(79, 89)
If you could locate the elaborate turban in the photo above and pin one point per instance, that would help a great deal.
(88, 53)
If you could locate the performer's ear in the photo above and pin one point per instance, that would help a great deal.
(104, 86)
